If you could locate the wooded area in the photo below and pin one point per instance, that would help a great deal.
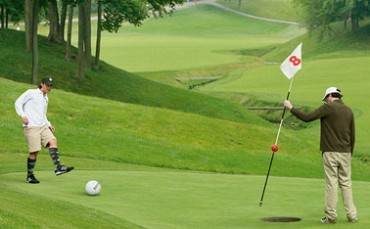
(320, 14)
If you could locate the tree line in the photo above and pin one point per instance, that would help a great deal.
(60, 13)
(319, 15)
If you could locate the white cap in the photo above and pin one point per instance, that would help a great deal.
(331, 90)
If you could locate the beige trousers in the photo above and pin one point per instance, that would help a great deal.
(337, 166)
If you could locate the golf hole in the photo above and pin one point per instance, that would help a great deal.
(281, 219)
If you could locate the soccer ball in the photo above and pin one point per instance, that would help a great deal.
(93, 188)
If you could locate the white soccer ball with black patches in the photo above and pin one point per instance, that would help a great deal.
(93, 188)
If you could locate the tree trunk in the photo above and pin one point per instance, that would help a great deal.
(355, 23)
(63, 16)
(345, 17)
(2, 16)
(87, 39)
(28, 12)
(35, 53)
(81, 45)
(6, 18)
(69, 33)
(84, 37)
(98, 36)
(54, 21)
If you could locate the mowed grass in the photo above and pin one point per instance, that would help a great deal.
(172, 199)
(104, 145)
(204, 159)
(276, 9)
(195, 37)
(348, 74)
(113, 131)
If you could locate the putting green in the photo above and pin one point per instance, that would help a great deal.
(178, 199)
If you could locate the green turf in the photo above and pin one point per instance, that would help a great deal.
(171, 158)
(149, 136)
(309, 86)
(276, 9)
(199, 36)
(173, 199)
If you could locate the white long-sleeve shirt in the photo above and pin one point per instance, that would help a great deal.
(33, 104)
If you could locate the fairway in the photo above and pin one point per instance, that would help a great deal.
(175, 199)
(198, 36)
(168, 157)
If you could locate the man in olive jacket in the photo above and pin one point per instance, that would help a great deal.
(337, 140)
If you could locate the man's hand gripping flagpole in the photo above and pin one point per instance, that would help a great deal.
(289, 67)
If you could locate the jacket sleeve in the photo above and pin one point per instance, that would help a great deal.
(310, 116)
(352, 129)
(20, 102)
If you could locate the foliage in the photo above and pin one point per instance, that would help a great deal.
(118, 11)
(158, 7)
(319, 15)
(14, 11)
(133, 11)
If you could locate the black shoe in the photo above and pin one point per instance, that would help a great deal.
(61, 169)
(354, 220)
(32, 179)
(327, 220)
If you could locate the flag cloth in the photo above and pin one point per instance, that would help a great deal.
(293, 63)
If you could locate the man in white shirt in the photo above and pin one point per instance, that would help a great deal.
(32, 107)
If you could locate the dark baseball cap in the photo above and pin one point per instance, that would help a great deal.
(48, 81)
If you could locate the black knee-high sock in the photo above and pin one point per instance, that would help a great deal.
(54, 155)
(30, 165)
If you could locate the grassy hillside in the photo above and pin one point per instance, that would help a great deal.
(110, 82)
(200, 36)
(112, 131)
(340, 61)
(276, 9)
(99, 129)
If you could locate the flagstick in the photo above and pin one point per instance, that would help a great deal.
(282, 117)
(276, 141)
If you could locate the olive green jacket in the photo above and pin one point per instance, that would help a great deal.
(337, 126)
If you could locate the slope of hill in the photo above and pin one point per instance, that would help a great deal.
(274, 9)
(111, 83)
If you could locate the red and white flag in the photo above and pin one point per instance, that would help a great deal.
(293, 63)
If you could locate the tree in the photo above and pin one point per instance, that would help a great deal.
(357, 11)
(28, 12)
(57, 21)
(54, 29)
(84, 37)
(10, 11)
(98, 34)
(69, 32)
(115, 12)
(63, 16)
(2, 13)
(320, 14)
(29, 22)
(118, 11)
(35, 53)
